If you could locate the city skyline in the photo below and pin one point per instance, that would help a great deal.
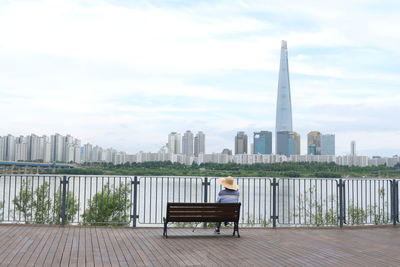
(68, 149)
(91, 69)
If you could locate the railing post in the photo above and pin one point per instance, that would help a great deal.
(206, 184)
(396, 189)
(274, 216)
(63, 182)
(397, 200)
(394, 201)
(135, 216)
(341, 203)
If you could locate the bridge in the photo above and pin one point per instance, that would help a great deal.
(35, 164)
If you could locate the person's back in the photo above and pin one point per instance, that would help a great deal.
(230, 194)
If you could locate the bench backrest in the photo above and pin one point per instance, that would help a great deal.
(203, 212)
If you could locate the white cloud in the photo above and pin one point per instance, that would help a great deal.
(91, 68)
(152, 39)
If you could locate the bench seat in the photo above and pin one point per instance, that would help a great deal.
(203, 212)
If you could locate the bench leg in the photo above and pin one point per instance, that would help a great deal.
(165, 228)
(236, 229)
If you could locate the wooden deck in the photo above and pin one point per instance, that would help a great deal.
(30, 245)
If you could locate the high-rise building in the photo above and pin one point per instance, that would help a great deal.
(284, 104)
(241, 143)
(353, 148)
(34, 147)
(46, 156)
(294, 138)
(174, 143)
(314, 143)
(10, 148)
(227, 151)
(187, 143)
(288, 143)
(69, 151)
(199, 143)
(21, 148)
(328, 144)
(3, 148)
(110, 152)
(262, 142)
(87, 153)
(96, 153)
(57, 147)
(77, 151)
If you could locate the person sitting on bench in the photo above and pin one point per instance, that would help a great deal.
(230, 194)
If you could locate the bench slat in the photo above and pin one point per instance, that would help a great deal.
(230, 209)
(201, 219)
(173, 204)
(203, 212)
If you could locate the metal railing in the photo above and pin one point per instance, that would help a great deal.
(141, 201)
(29, 199)
(367, 201)
(308, 202)
(155, 192)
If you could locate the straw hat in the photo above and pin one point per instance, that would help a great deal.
(228, 182)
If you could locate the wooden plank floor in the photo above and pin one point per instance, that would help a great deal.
(37, 245)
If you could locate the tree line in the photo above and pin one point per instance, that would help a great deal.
(285, 169)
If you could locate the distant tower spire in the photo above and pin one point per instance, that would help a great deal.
(284, 103)
(285, 145)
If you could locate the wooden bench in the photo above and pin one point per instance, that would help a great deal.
(203, 212)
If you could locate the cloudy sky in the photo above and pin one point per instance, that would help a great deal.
(124, 74)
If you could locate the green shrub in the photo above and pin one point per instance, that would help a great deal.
(41, 204)
(356, 215)
(23, 202)
(109, 207)
(311, 209)
(36, 205)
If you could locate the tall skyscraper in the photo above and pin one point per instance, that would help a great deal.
(199, 143)
(187, 143)
(262, 142)
(288, 143)
(241, 143)
(174, 143)
(353, 148)
(314, 143)
(328, 144)
(284, 103)
(295, 139)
